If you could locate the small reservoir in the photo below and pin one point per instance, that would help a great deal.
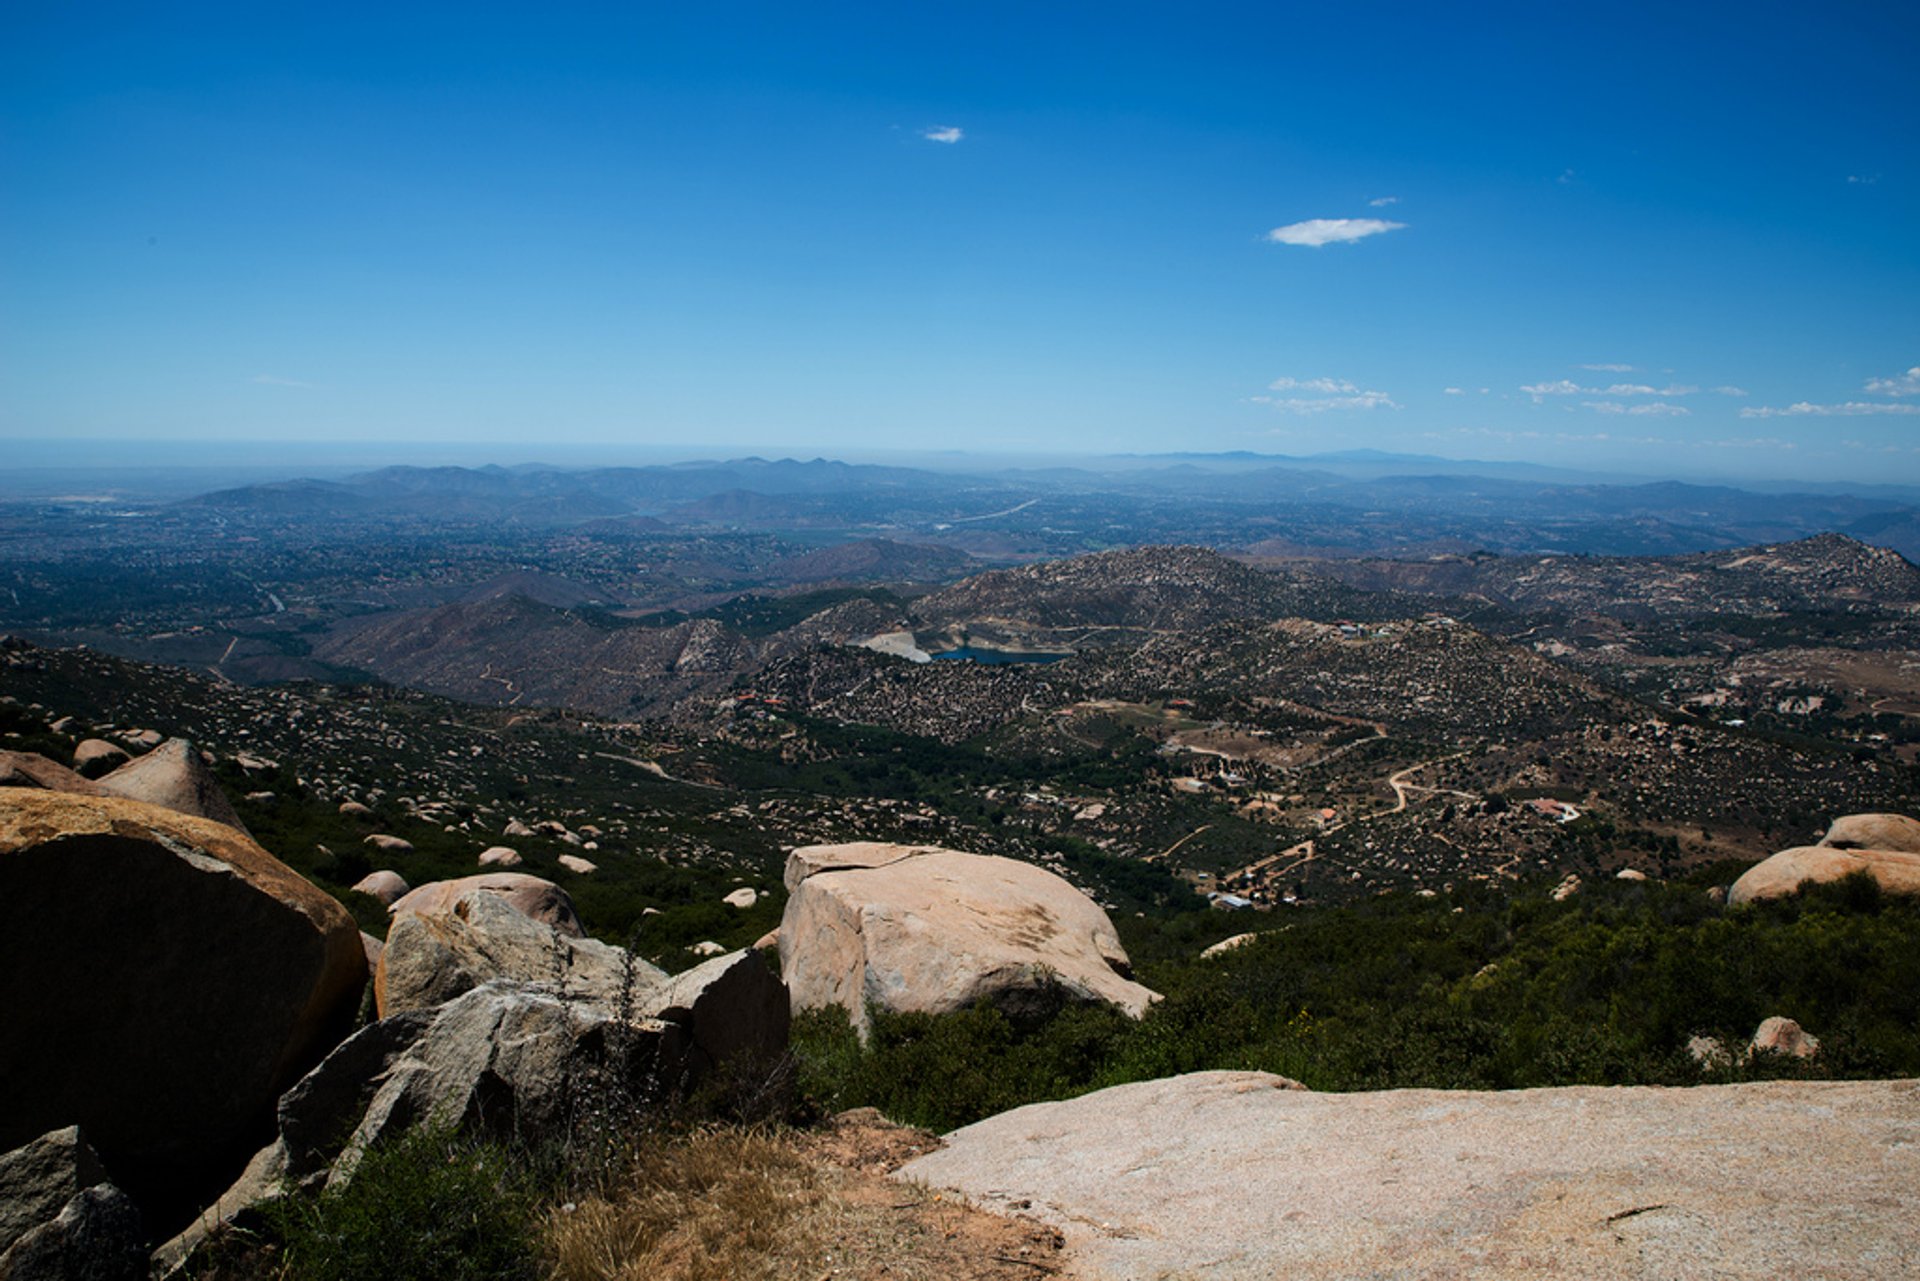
(996, 657)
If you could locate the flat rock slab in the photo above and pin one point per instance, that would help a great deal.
(1231, 1175)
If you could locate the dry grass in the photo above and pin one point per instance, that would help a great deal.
(714, 1206)
(759, 1205)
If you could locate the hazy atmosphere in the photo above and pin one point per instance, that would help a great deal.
(1648, 240)
(985, 642)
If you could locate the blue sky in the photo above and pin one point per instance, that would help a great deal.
(1661, 239)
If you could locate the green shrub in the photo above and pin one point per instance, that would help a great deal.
(430, 1206)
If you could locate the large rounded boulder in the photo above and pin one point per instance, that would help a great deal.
(920, 928)
(166, 978)
(531, 896)
(1896, 872)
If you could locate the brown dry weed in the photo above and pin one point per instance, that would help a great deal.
(761, 1205)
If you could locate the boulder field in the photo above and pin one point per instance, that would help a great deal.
(1231, 1176)
(918, 928)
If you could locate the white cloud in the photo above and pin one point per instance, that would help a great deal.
(1381, 202)
(1328, 385)
(1334, 393)
(1641, 389)
(1454, 391)
(1316, 232)
(943, 133)
(1558, 387)
(1658, 409)
(1566, 178)
(1864, 180)
(270, 380)
(1851, 409)
(1907, 384)
(1609, 369)
(1730, 391)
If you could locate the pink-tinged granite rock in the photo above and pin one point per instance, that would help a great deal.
(1897, 871)
(1229, 1176)
(1874, 832)
(934, 930)
(529, 895)
(387, 886)
(175, 775)
(1779, 1035)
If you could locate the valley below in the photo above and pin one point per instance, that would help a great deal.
(1452, 820)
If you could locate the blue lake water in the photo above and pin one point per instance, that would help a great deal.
(996, 656)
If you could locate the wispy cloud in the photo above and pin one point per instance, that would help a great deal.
(1730, 391)
(1558, 387)
(1907, 384)
(1316, 232)
(1381, 202)
(1656, 409)
(271, 380)
(1863, 180)
(1567, 387)
(1329, 394)
(943, 133)
(1849, 409)
(1641, 389)
(1453, 391)
(1609, 369)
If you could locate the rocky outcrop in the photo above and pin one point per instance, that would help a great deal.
(1223, 1176)
(512, 1058)
(39, 1178)
(174, 775)
(1896, 871)
(433, 956)
(387, 886)
(185, 979)
(97, 1236)
(27, 769)
(919, 928)
(808, 859)
(732, 1006)
(531, 896)
(96, 756)
(501, 856)
(1779, 1035)
(1874, 832)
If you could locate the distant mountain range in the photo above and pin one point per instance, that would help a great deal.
(1354, 502)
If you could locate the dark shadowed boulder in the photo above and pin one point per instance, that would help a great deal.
(166, 978)
(98, 1236)
(37, 1179)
